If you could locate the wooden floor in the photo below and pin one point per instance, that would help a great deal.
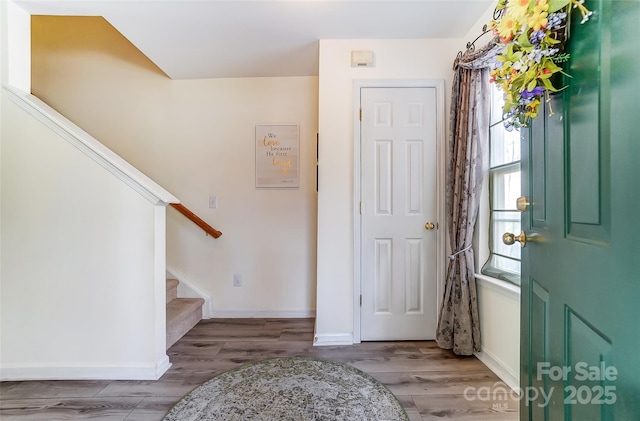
(429, 382)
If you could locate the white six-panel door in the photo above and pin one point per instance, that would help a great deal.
(399, 196)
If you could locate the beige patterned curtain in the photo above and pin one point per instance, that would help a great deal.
(458, 324)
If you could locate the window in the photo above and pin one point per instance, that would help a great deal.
(504, 189)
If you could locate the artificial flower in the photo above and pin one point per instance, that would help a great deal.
(518, 8)
(538, 20)
(531, 53)
(537, 91)
(506, 28)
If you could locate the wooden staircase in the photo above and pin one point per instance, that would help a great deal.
(182, 313)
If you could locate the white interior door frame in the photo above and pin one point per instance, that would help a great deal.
(441, 148)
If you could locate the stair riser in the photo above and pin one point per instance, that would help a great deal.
(172, 294)
(182, 313)
(181, 327)
(172, 290)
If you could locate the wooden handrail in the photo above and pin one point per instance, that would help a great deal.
(196, 220)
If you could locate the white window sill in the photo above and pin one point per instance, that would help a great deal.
(498, 285)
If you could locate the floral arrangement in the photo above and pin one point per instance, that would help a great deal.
(532, 35)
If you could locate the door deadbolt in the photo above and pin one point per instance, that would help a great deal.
(522, 203)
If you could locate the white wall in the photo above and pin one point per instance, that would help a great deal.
(268, 234)
(499, 311)
(82, 250)
(196, 139)
(16, 22)
(394, 59)
(499, 303)
(79, 254)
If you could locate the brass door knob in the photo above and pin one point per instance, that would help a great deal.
(510, 239)
(522, 203)
(429, 226)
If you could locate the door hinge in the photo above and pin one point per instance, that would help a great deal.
(360, 300)
(360, 114)
(361, 208)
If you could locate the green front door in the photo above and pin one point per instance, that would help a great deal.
(580, 337)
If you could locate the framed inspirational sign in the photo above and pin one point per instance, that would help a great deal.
(277, 156)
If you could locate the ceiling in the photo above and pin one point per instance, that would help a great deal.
(195, 39)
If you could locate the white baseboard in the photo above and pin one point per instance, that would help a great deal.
(499, 368)
(262, 314)
(162, 366)
(188, 289)
(57, 371)
(333, 339)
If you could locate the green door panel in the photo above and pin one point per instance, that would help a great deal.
(581, 265)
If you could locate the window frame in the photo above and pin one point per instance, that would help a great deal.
(489, 268)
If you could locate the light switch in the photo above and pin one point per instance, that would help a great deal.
(213, 202)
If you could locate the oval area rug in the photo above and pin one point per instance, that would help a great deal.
(295, 389)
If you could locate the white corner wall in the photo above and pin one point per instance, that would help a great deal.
(393, 59)
(82, 246)
(79, 263)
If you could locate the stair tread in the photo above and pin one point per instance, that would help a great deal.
(172, 283)
(181, 306)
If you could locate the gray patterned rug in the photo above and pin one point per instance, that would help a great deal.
(294, 389)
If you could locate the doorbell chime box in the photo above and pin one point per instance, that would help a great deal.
(362, 58)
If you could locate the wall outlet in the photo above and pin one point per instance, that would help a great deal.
(237, 280)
